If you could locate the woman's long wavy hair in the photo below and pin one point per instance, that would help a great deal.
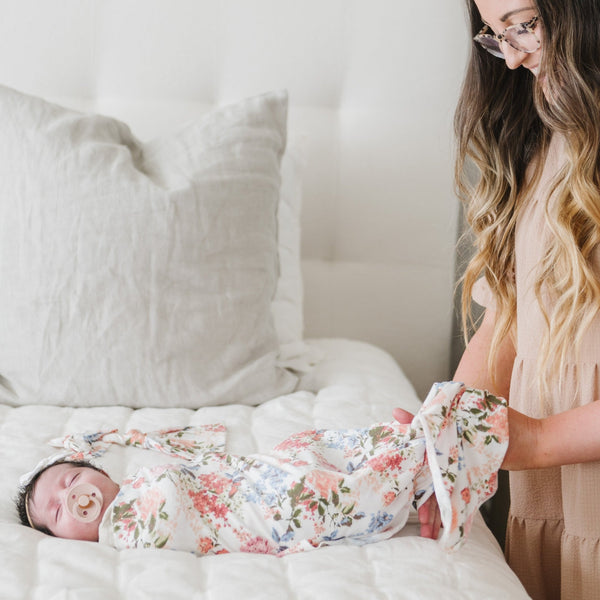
(503, 124)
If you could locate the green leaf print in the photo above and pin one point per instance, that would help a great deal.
(296, 491)
(348, 509)
(468, 436)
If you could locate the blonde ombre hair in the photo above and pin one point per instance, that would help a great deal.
(503, 124)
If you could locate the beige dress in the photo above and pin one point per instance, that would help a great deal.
(553, 534)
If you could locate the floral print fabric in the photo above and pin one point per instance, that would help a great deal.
(321, 487)
(183, 442)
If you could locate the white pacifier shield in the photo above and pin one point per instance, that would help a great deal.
(84, 502)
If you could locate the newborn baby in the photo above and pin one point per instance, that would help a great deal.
(69, 499)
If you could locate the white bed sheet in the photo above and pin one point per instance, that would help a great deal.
(350, 384)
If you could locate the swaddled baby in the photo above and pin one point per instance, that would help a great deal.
(316, 488)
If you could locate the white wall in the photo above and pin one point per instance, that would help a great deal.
(372, 83)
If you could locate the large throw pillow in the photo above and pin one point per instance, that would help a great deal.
(287, 305)
(139, 274)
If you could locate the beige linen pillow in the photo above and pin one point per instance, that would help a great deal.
(139, 274)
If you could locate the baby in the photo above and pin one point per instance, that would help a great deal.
(316, 488)
(51, 502)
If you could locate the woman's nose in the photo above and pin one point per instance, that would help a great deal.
(514, 58)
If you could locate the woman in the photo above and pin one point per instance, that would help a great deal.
(529, 119)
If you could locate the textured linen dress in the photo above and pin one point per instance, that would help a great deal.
(553, 533)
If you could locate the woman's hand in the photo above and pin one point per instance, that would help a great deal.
(430, 518)
(429, 513)
(403, 416)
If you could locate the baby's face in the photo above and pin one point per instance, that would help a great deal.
(47, 502)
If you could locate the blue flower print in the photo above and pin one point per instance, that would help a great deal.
(379, 522)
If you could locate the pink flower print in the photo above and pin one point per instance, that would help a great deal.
(389, 498)
(257, 545)
(167, 431)
(300, 441)
(456, 399)
(149, 504)
(205, 545)
(214, 483)
(293, 443)
(466, 495)
(310, 505)
(128, 524)
(384, 462)
(128, 481)
(208, 504)
(319, 527)
(453, 455)
(439, 398)
(324, 482)
(454, 523)
(136, 437)
(499, 424)
(215, 427)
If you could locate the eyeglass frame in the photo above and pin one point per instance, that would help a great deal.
(529, 26)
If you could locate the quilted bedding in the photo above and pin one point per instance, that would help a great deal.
(350, 385)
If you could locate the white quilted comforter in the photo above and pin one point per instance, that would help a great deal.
(352, 384)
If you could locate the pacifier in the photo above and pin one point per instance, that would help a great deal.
(84, 502)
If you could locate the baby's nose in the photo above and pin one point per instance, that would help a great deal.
(84, 502)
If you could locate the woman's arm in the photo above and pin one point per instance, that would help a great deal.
(473, 368)
(566, 438)
(473, 371)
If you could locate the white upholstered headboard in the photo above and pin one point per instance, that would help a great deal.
(372, 84)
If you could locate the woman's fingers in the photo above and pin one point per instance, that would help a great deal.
(402, 416)
(430, 518)
(429, 513)
(437, 522)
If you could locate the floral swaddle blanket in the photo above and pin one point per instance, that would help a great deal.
(320, 487)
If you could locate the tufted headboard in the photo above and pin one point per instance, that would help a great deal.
(372, 85)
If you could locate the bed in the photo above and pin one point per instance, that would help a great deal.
(235, 212)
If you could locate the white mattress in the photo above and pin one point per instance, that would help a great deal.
(352, 384)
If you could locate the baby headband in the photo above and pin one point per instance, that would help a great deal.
(27, 478)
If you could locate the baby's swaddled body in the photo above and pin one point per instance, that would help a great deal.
(320, 487)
